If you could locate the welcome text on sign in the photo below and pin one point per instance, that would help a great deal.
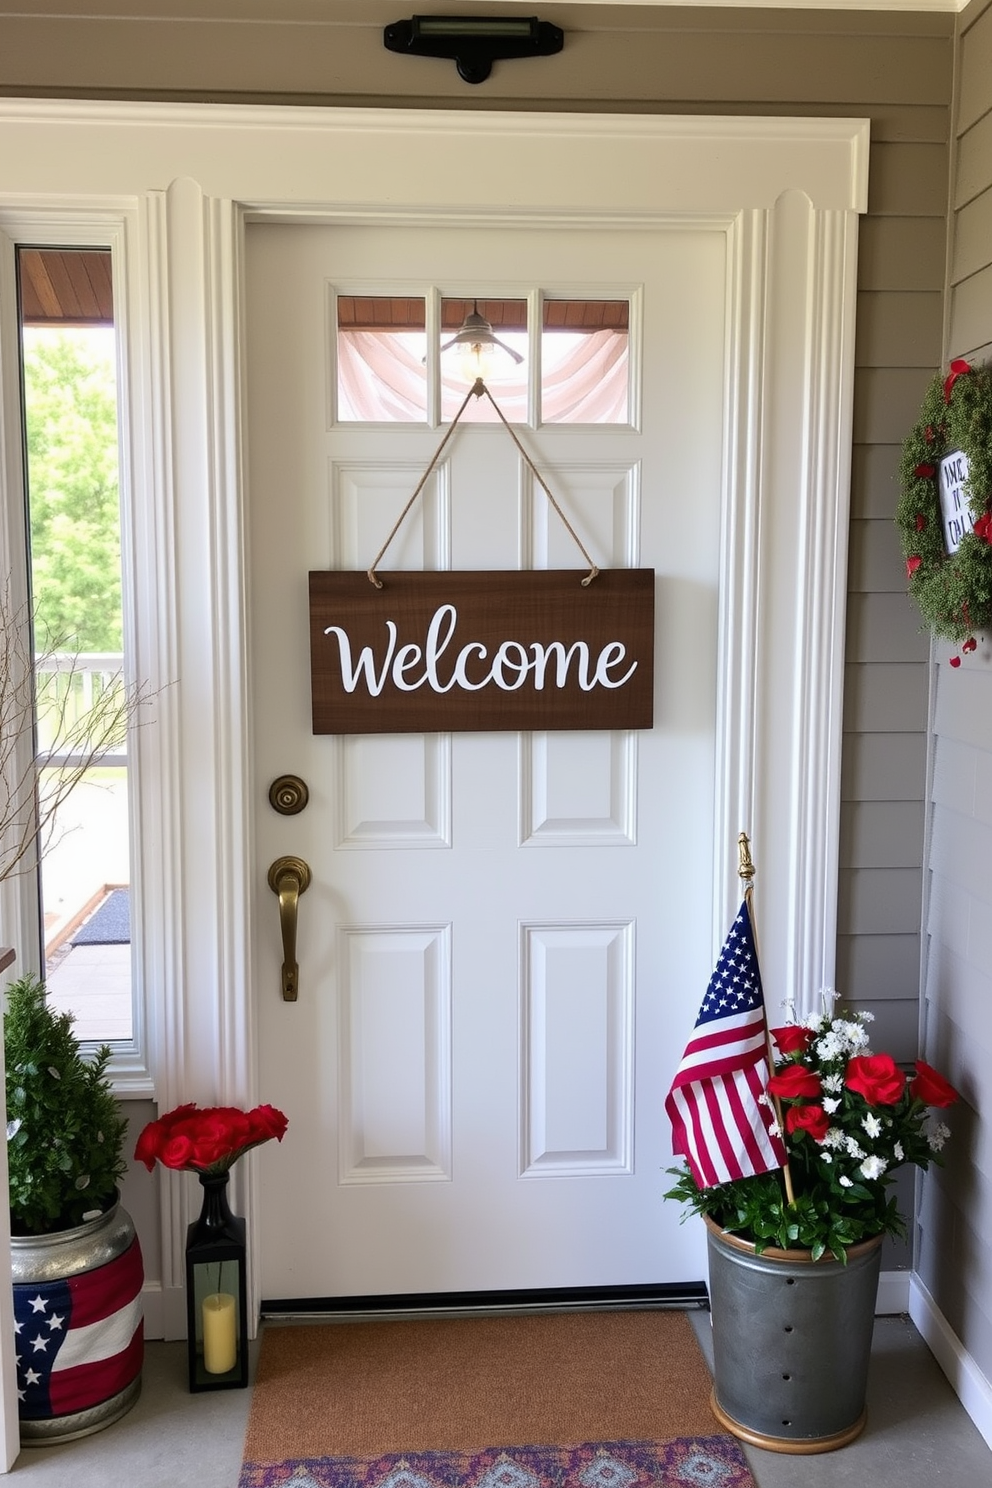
(481, 650)
(509, 669)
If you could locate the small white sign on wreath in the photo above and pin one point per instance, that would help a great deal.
(955, 510)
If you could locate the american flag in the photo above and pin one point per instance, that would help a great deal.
(78, 1341)
(718, 1125)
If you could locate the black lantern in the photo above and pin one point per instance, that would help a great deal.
(216, 1293)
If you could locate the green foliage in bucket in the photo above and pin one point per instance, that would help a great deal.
(65, 1132)
(849, 1119)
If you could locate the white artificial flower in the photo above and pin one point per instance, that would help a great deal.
(814, 1021)
(898, 1152)
(833, 1083)
(872, 1125)
(857, 1038)
(844, 1181)
(853, 1150)
(826, 1157)
(834, 1137)
(829, 1046)
(873, 1167)
(830, 1104)
(764, 1099)
(827, 999)
(937, 1136)
(774, 1128)
(865, 1016)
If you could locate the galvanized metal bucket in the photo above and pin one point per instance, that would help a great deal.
(791, 1342)
(104, 1249)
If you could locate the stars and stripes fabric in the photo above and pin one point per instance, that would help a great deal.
(79, 1341)
(719, 1123)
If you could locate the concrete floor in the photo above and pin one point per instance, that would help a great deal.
(917, 1435)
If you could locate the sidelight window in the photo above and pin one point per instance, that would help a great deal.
(68, 360)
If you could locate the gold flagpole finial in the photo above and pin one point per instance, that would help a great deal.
(746, 868)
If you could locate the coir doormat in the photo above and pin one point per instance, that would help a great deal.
(594, 1400)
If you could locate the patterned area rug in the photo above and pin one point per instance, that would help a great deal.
(687, 1462)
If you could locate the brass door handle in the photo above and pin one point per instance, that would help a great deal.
(289, 878)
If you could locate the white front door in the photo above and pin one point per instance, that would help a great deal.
(506, 936)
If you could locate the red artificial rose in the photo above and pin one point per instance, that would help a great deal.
(921, 522)
(970, 644)
(148, 1145)
(176, 1151)
(931, 1088)
(875, 1077)
(925, 472)
(810, 1119)
(795, 1082)
(266, 1122)
(218, 1133)
(983, 527)
(912, 564)
(793, 1038)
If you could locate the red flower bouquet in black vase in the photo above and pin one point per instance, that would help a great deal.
(209, 1139)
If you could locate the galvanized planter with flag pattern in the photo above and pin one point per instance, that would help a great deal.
(79, 1325)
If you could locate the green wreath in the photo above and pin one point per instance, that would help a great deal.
(953, 590)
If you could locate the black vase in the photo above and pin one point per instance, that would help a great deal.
(216, 1219)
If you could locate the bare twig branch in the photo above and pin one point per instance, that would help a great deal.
(40, 698)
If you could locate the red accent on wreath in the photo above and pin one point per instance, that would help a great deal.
(912, 564)
(983, 527)
(926, 472)
(921, 522)
(958, 369)
(955, 661)
(970, 644)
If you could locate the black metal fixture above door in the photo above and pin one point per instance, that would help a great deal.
(474, 43)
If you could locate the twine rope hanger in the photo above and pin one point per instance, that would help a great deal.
(477, 390)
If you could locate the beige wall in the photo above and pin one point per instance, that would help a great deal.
(954, 1259)
(895, 70)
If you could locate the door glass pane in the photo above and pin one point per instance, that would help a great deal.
(585, 359)
(70, 411)
(382, 359)
(488, 339)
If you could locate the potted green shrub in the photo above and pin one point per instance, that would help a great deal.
(76, 1261)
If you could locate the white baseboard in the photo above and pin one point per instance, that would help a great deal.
(969, 1383)
(165, 1310)
(893, 1293)
(152, 1302)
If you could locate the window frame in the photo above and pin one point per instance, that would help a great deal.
(131, 1064)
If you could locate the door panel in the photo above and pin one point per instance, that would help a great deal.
(475, 1069)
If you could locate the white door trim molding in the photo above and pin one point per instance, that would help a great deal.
(786, 195)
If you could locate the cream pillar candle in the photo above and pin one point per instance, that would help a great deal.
(220, 1333)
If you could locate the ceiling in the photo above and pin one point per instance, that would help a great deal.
(65, 287)
(366, 12)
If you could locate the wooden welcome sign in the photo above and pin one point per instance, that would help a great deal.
(481, 651)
